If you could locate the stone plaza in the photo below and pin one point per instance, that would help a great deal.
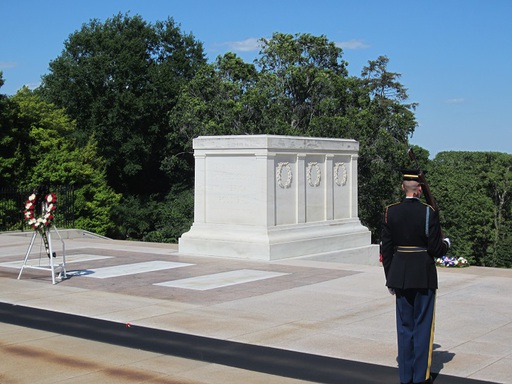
(339, 316)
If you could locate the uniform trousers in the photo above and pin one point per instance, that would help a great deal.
(415, 318)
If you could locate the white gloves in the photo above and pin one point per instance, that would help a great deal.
(447, 241)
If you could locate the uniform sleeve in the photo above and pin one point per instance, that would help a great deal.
(436, 246)
(387, 248)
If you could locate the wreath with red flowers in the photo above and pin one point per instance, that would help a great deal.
(48, 207)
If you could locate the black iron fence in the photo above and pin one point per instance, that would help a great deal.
(12, 208)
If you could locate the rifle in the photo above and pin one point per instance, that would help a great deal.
(423, 181)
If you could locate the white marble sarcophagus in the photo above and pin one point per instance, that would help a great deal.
(266, 197)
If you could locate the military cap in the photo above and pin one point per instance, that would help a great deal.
(412, 174)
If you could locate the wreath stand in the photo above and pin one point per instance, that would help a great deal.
(53, 267)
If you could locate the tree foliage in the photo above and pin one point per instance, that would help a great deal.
(473, 190)
(220, 100)
(12, 137)
(41, 143)
(119, 79)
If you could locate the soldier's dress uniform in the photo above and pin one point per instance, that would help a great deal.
(411, 240)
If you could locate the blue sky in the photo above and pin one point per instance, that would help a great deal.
(455, 56)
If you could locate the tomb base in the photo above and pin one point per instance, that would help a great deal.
(347, 242)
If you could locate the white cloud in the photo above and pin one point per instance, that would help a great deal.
(7, 64)
(455, 101)
(247, 45)
(32, 85)
(252, 44)
(352, 44)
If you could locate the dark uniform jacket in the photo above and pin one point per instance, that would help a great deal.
(412, 227)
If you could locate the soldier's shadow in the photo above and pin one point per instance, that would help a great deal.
(439, 359)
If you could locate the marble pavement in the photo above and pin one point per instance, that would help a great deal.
(323, 308)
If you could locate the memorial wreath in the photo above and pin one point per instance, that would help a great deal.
(48, 207)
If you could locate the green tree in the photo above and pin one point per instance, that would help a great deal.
(498, 178)
(302, 76)
(51, 156)
(473, 192)
(83, 169)
(387, 124)
(11, 160)
(13, 139)
(119, 80)
(176, 214)
(47, 131)
(219, 100)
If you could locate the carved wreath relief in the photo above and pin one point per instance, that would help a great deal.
(340, 180)
(309, 170)
(287, 182)
(284, 174)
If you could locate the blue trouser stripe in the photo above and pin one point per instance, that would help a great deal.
(415, 327)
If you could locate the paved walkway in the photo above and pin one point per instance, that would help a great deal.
(132, 312)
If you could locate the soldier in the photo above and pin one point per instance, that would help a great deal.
(411, 240)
